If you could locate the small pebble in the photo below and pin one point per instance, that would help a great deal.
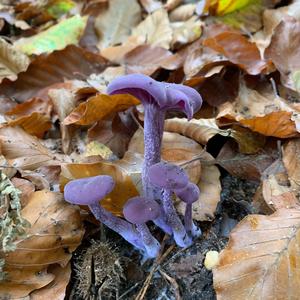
(211, 259)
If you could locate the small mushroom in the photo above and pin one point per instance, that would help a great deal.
(139, 210)
(189, 194)
(157, 97)
(170, 177)
(89, 191)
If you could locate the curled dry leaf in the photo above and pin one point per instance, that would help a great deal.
(284, 52)
(26, 187)
(56, 231)
(25, 151)
(265, 113)
(124, 187)
(238, 50)
(125, 15)
(12, 61)
(57, 37)
(98, 108)
(155, 29)
(182, 13)
(62, 65)
(261, 258)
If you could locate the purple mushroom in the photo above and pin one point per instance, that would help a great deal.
(189, 194)
(157, 97)
(139, 210)
(170, 177)
(89, 191)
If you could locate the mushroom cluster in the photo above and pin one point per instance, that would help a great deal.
(161, 181)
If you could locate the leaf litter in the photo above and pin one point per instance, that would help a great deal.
(57, 123)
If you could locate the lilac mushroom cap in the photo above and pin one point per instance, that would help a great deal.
(139, 210)
(189, 194)
(168, 176)
(164, 95)
(89, 190)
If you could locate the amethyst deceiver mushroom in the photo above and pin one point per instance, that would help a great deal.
(139, 210)
(189, 194)
(156, 97)
(170, 177)
(89, 191)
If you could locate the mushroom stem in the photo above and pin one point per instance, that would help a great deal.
(190, 227)
(151, 244)
(153, 132)
(122, 227)
(179, 233)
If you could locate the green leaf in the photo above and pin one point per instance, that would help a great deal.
(57, 8)
(56, 37)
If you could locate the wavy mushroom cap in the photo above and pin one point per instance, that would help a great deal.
(164, 95)
(89, 190)
(167, 176)
(189, 194)
(139, 210)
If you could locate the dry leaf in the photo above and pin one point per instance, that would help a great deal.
(55, 232)
(98, 108)
(57, 288)
(125, 15)
(155, 29)
(26, 187)
(284, 52)
(124, 187)
(238, 50)
(182, 13)
(265, 113)
(261, 259)
(25, 151)
(12, 61)
(151, 5)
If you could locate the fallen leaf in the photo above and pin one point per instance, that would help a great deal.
(57, 288)
(55, 38)
(99, 107)
(151, 5)
(155, 29)
(284, 51)
(56, 231)
(57, 8)
(182, 13)
(12, 61)
(262, 251)
(125, 15)
(25, 151)
(62, 65)
(26, 187)
(171, 4)
(238, 50)
(96, 148)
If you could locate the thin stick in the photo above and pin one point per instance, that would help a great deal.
(173, 282)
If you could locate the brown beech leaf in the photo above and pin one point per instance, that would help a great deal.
(124, 187)
(291, 160)
(56, 231)
(125, 15)
(26, 187)
(98, 108)
(284, 52)
(57, 288)
(35, 124)
(25, 151)
(238, 50)
(261, 258)
(155, 29)
(265, 113)
(62, 64)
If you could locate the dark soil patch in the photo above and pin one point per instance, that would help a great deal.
(112, 269)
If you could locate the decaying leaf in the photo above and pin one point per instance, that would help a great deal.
(261, 259)
(55, 38)
(98, 108)
(12, 61)
(125, 15)
(56, 231)
(155, 29)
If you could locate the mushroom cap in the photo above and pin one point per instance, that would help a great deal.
(89, 190)
(167, 176)
(189, 194)
(164, 95)
(139, 210)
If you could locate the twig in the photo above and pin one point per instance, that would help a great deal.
(274, 87)
(129, 290)
(173, 282)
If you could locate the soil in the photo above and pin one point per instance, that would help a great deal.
(108, 268)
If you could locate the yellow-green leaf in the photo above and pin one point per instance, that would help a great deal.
(57, 8)
(55, 38)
